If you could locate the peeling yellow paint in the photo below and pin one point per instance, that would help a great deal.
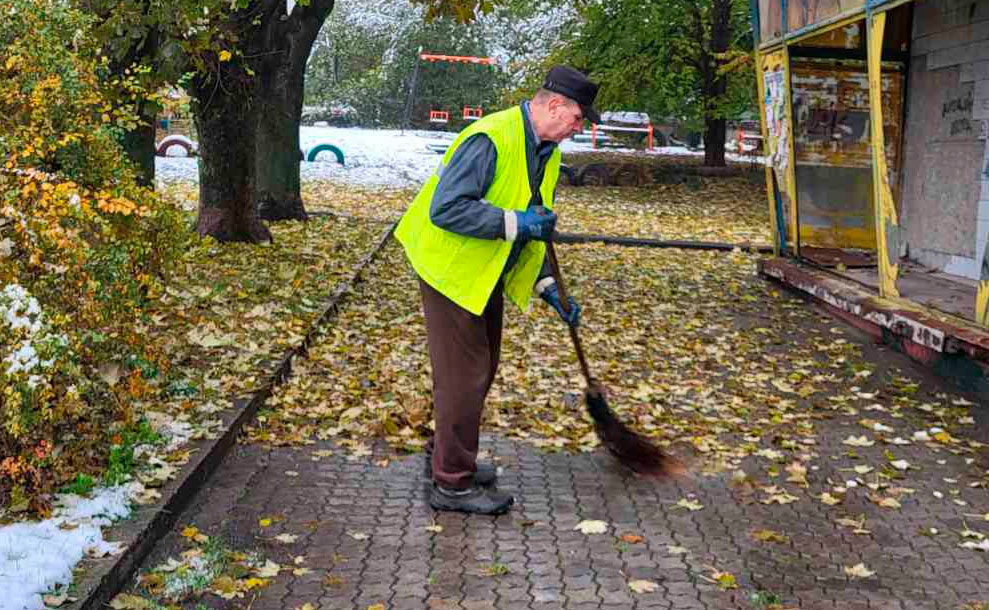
(886, 219)
(838, 237)
(982, 304)
(770, 194)
(791, 167)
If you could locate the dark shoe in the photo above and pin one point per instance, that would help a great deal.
(476, 499)
(486, 475)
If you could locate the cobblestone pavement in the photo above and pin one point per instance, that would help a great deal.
(368, 537)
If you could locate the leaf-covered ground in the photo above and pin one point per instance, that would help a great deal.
(729, 209)
(779, 410)
(697, 351)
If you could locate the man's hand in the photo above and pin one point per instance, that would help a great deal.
(552, 296)
(536, 223)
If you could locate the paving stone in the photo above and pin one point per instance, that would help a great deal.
(552, 566)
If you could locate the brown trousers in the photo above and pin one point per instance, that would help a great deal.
(464, 350)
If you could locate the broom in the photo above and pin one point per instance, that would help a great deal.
(632, 449)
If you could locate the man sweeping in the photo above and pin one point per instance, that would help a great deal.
(473, 233)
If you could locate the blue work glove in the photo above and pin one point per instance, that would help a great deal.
(552, 296)
(536, 223)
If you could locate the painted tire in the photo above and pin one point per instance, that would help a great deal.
(175, 140)
(315, 150)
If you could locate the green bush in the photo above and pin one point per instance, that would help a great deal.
(81, 248)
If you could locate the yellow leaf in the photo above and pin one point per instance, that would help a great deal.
(828, 499)
(690, 505)
(264, 522)
(643, 586)
(725, 580)
(770, 536)
(225, 55)
(255, 583)
(858, 571)
(130, 602)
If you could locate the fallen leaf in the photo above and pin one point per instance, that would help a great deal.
(770, 536)
(434, 528)
(725, 580)
(270, 569)
(643, 586)
(126, 601)
(592, 527)
(358, 535)
(858, 571)
(54, 600)
(677, 550)
(798, 474)
(828, 499)
(632, 538)
(900, 464)
(286, 538)
(690, 505)
(858, 441)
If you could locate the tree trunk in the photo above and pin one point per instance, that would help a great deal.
(139, 144)
(715, 84)
(226, 162)
(714, 142)
(283, 46)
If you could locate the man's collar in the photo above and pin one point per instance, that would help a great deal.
(527, 115)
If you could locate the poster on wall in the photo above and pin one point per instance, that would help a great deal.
(778, 137)
(775, 104)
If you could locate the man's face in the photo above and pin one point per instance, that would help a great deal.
(565, 119)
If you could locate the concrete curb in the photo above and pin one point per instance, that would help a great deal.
(102, 579)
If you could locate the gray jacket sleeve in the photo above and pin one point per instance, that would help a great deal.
(458, 203)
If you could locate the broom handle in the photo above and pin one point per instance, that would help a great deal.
(565, 304)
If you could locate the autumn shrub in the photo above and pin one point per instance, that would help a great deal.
(81, 247)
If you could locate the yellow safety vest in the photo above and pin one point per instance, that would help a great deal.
(466, 269)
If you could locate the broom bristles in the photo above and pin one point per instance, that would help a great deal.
(629, 447)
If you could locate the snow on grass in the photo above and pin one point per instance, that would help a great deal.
(37, 557)
(382, 157)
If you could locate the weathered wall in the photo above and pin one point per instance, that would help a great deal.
(945, 184)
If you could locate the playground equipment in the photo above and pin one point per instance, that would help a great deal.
(439, 116)
(169, 144)
(443, 116)
(324, 147)
(595, 128)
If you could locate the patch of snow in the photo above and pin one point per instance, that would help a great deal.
(37, 557)
(385, 157)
